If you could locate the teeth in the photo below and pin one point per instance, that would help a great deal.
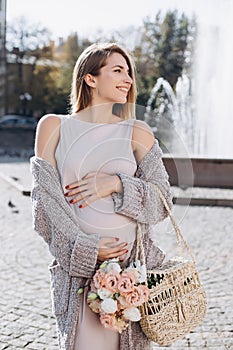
(123, 89)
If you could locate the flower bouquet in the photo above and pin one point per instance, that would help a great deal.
(116, 293)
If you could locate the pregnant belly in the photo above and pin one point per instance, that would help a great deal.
(99, 217)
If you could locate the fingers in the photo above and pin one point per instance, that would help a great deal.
(82, 191)
(88, 201)
(91, 174)
(83, 196)
(104, 255)
(105, 252)
(81, 182)
(115, 250)
(77, 189)
(108, 241)
(111, 243)
(91, 187)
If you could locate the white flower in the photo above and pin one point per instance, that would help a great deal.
(104, 293)
(134, 271)
(143, 276)
(139, 271)
(109, 306)
(113, 260)
(132, 314)
(114, 266)
(122, 301)
(106, 263)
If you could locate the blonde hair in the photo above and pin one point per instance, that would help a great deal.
(91, 61)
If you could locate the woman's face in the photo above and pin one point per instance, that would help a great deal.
(113, 82)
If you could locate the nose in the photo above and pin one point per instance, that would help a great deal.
(128, 79)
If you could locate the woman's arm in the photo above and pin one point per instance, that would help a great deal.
(47, 137)
(76, 251)
(133, 196)
(139, 199)
(97, 185)
(142, 140)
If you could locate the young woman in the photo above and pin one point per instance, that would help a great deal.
(93, 172)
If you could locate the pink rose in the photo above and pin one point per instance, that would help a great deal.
(135, 297)
(98, 278)
(126, 282)
(110, 281)
(145, 290)
(112, 322)
(108, 321)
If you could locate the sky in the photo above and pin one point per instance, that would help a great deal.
(88, 17)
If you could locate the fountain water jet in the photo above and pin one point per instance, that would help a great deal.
(170, 116)
(202, 116)
(213, 79)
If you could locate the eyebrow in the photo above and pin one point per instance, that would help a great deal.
(118, 65)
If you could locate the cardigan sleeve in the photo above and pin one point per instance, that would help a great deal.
(75, 251)
(140, 199)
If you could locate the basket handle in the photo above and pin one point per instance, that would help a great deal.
(179, 236)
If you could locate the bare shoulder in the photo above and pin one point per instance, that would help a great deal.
(49, 120)
(142, 139)
(47, 137)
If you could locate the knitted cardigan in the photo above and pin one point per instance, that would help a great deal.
(75, 253)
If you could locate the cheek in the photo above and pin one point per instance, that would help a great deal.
(107, 82)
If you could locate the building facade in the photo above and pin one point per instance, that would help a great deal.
(3, 65)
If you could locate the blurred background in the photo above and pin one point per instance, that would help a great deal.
(183, 52)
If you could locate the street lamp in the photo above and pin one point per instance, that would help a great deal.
(25, 98)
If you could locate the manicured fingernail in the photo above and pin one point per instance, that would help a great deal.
(71, 201)
(117, 239)
(66, 194)
(67, 187)
(80, 206)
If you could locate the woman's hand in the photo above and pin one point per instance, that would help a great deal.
(93, 186)
(108, 249)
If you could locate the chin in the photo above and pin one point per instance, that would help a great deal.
(121, 101)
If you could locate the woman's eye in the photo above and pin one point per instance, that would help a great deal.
(117, 70)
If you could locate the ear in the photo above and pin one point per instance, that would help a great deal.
(90, 80)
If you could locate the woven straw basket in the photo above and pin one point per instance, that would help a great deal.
(177, 302)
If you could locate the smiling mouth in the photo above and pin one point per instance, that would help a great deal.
(123, 89)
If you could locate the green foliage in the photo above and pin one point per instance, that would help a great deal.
(66, 59)
(162, 51)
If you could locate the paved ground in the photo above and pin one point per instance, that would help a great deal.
(26, 321)
(16, 170)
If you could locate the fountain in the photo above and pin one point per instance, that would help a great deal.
(201, 117)
(213, 79)
(170, 115)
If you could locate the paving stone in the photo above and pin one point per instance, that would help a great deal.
(26, 320)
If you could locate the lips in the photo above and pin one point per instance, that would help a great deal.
(123, 89)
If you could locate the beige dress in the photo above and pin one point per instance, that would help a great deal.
(85, 147)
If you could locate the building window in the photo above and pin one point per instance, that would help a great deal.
(0, 5)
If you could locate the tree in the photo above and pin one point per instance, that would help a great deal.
(66, 57)
(161, 52)
(26, 44)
